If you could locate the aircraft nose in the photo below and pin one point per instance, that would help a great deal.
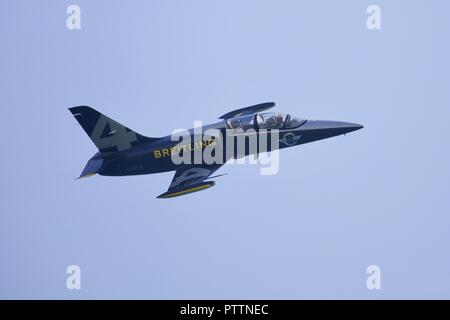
(350, 127)
(343, 127)
(332, 127)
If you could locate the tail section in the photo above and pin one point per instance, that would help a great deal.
(108, 135)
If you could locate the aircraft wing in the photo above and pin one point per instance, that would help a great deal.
(248, 110)
(190, 178)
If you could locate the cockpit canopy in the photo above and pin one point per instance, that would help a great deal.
(266, 121)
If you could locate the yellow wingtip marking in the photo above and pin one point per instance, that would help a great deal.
(179, 193)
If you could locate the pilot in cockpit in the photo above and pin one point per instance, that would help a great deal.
(275, 121)
(279, 121)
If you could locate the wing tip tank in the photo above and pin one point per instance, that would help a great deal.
(183, 191)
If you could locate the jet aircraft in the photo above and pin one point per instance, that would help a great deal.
(123, 152)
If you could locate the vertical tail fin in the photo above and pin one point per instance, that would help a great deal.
(108, 135)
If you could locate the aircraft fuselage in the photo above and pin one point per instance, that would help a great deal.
(157, 157)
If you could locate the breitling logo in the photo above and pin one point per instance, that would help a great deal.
(197, 145)
(290, 139)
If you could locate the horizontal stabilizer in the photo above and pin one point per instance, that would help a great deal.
(176, 192)
(92, 167)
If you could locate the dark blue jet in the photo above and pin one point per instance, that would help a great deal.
(124, 152)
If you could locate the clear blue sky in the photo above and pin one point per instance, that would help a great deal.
(376, 196)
